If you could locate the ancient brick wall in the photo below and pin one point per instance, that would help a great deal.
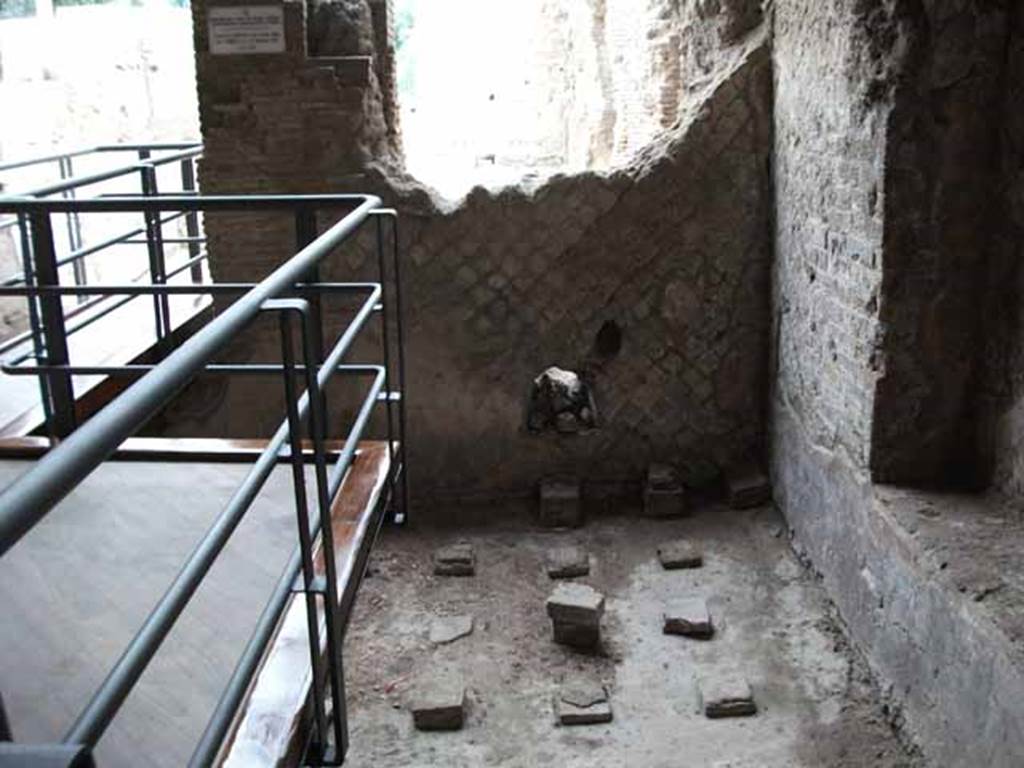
(649, 62)
(880, 156)
(829, 140)
(673, 249)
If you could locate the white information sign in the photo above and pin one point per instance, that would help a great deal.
(236, 29)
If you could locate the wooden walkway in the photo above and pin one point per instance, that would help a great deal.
(75, 589)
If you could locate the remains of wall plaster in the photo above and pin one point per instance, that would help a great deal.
(673, 249)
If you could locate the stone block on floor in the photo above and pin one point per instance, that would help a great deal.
(726, 694)
(455, 560)
(689, 617)
(440, 705)
(575, 611)
(664, 494)
(680, 554)
(560, 505)
(448, 629)
(568, 562)
(583, 704)
(748, 487)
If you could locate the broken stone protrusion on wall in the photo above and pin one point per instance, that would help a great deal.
(726, 694)
(440, 704)
(568, 562)
(575, 611)
(583, 703)
(748, 487)
(455, 560)
(560, 504)
(560, 401)
(664, 494)
(688, 617)
(680, 554)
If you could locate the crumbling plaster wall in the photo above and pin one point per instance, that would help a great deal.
(674, 249)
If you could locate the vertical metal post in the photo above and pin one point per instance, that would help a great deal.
(38, 348)
(305, 543)
(385, 343)
(402, 515)
(317, 433)
(61, 390)
(73, 226)
(188, 184)
(305, 233)
(157, 268)
(5, 724)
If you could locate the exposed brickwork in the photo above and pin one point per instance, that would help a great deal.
(881, 139)
(674, 250)
(829, 142)
(288, 122)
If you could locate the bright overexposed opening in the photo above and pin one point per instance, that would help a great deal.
(495, 92)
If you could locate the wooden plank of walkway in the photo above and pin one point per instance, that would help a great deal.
(273, 725)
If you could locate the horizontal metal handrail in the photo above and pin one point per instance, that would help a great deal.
(132, 291)
(16, 164)
(158, 147)
(154, 147)
(140, 369)
(201, 203)
(146, 290)
(81, 253)
(29, 498)
(77, 182)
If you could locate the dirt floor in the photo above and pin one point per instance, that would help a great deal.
(817, 705)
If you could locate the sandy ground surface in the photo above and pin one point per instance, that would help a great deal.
(817, 704)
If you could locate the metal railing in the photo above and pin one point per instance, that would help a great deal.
(41, 263)
(292, 292)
